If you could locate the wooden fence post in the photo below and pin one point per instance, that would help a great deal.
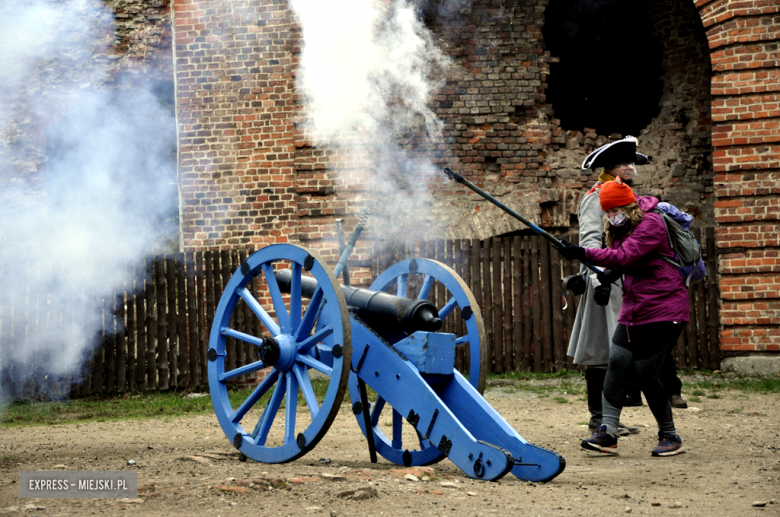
(496, 309)
(558, 337)
(517, 305)
(528, 326)
(547, 332)
(183, 363)
(537, 305)
(508, 318)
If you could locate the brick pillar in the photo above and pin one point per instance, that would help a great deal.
(743, 38)
(235, 104)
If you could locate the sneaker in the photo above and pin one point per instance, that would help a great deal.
(600, 441)
(668, 445)
(678, 402)
(632, 401)
(627, 428)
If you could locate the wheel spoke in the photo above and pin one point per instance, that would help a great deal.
(462, 340)
(256, 395)
(377, 411)
(425, 290)
(306, 388)
(447, 309)
(291, 408)
(305, 345)
(276, 296)
(402, 284)
(238, 372)
(255, 306)
(424, 444)
(252, 340)
(312, 311)
(295, 297)
(317, 365)
(260, 434)
(398, 423)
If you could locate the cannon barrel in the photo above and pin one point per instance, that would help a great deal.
(381, 311)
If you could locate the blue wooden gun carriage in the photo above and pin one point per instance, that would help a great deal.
(316, 327)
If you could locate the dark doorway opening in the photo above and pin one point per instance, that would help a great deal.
(609, 74)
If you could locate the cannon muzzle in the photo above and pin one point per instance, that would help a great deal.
(381, 311)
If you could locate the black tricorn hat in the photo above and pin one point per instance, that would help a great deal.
(621, 151)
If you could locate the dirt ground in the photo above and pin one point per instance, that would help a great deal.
(186, 466)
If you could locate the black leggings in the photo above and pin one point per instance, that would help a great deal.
(638, 355)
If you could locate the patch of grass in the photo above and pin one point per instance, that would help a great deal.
(706, 381)
(542, 384)
(713, 396)
(698, 393)
(572, 389)
(694, 399)
(526, 376)
(145, 405)
(561, 400)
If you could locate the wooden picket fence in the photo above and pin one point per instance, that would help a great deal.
(153, 333)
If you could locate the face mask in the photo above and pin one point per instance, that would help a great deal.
(618, 220)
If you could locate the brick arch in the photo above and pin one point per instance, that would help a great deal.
(744, 37)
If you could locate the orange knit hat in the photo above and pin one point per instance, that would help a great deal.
(614, 194)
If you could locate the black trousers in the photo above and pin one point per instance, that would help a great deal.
(667, 375)
(639, 355)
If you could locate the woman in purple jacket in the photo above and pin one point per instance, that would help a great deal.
(654, 312)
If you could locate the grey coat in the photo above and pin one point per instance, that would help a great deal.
(594, 325)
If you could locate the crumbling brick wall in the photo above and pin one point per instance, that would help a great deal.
(508, 140)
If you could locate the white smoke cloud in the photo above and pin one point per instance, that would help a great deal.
(86, 181)
(367, 72)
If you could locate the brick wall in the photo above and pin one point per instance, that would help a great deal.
(744, 38)
(234, 65)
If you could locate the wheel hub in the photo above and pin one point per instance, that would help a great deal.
(269, 351)
(278, 352)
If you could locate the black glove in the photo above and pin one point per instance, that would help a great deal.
(608, 276)
(570, 251)
(574, 283)
(601, 294)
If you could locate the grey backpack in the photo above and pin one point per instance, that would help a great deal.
(687, 250)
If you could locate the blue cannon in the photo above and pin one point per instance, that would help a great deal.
(319, 333)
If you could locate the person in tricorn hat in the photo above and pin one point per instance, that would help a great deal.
(619, 159)
(599, 307)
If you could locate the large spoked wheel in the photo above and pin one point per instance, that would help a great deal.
(418, 278)
(288, 349)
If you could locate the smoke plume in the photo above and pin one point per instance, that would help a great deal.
(367, 72)
(87, 183)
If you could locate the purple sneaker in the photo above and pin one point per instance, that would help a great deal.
(600, 441)
(668, 445)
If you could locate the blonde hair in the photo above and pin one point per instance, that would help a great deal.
(634, 215)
